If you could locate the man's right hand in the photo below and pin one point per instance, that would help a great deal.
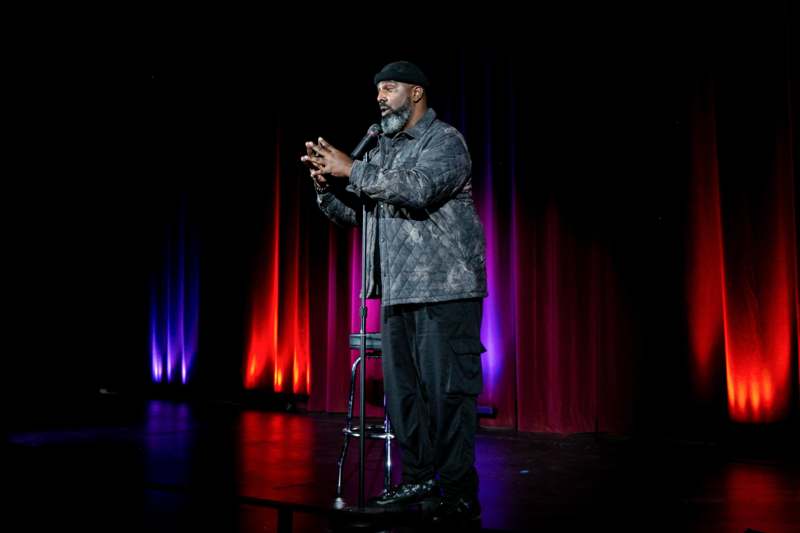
(320, 182)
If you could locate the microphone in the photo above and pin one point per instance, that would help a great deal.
(372, 133)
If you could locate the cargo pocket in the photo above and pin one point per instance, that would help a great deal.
(465, 375)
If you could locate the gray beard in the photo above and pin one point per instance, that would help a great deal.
(396, 120)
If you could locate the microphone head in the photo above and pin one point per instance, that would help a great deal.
(374, 130)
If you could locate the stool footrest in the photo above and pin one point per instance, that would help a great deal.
(356, 433)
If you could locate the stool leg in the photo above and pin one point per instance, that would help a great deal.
(387, 465)
(342, 457)
(348, 426)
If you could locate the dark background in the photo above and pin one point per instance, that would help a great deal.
(107, 152)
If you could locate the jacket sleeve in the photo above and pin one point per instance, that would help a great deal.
(441, 170)
(336, 209)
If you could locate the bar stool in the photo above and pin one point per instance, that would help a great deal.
(373, 431)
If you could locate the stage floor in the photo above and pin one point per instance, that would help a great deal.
(116, 464)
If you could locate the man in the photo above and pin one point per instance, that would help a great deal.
(426, 261)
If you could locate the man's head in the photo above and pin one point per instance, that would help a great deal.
(402, 95)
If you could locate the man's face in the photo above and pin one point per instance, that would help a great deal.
(394, 100)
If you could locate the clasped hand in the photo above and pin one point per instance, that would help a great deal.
(324, 160)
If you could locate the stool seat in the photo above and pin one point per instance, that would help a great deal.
(373, 341)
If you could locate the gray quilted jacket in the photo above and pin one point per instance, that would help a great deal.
(418, 194)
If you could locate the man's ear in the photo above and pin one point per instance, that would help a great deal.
(417, 93)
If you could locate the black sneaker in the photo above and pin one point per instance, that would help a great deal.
(458, 510)
(407, 493)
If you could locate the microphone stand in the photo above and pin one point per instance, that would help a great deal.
(362, 363)
(362, 437)
(372, 133)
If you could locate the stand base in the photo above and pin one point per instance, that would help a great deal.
(374, 518)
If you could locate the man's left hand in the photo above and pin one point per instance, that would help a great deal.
(328, 160)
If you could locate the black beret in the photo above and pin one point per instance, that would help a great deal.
(402, 71)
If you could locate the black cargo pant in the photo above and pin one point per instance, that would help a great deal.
(432, 377)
